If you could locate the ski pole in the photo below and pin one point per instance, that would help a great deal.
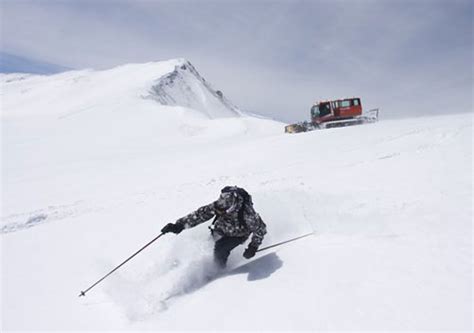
(281, 243)
(83, 293)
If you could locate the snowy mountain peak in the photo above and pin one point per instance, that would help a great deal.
(174, 82)
(184, 86)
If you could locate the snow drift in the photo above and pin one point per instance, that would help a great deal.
(96, 162)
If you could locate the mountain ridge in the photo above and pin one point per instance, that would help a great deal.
(171, 83)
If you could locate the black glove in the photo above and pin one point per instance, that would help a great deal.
(250, 251)
(172, 227)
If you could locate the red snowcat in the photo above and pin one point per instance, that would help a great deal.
(336, 113)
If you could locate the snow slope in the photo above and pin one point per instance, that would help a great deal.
(95, 163)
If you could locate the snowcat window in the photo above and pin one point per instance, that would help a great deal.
(324, 109)
(345, 104)
(356, 102)
(315, 111)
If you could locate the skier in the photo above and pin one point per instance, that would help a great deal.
(235, 219)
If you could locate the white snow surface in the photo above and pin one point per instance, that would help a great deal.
(95, 163)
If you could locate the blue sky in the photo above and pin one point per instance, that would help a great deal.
(408, 57)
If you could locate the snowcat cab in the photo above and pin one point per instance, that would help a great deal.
(341, 112)
(336, 113)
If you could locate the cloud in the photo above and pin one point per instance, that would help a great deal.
(270, 57)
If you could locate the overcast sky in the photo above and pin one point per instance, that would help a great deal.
(270, 57)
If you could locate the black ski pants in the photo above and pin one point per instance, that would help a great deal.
(223, 246)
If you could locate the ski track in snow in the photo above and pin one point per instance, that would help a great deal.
(25, 220)
(21, 221)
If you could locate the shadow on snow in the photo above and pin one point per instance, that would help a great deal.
(258, 269)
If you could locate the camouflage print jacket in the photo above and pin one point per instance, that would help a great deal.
(226, 209)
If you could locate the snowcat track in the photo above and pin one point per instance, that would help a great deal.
(370, 116)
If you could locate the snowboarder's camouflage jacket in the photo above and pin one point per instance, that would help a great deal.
(226, 209)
